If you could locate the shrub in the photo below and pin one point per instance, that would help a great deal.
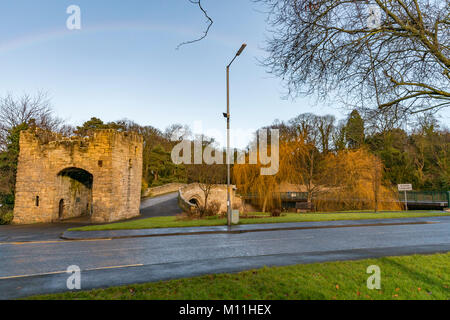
(194, 212)
(6, 216)
(213, 208)
(275, 213)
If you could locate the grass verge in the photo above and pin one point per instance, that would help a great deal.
(408, 277)
(173, 222)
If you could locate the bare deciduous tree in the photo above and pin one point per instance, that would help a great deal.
(177, 132)
(207, 177)
(388, 54)
(15, 111)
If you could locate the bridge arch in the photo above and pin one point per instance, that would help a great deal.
(196, 201)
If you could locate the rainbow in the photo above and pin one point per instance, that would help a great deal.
(62, 33)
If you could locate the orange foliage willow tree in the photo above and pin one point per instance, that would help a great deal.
(300, 164)
(298, 161)
(354, 182)
(249, 181)
(345, 180)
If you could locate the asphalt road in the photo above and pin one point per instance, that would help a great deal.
(34, 268)
(165, 205)
(161, 206)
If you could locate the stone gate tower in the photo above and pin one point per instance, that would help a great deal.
(60, 178)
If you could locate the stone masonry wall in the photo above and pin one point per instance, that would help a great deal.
(114, 159)
(77, 197)
(167, 188)
(218, 193)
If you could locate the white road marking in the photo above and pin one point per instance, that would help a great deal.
(61, 272)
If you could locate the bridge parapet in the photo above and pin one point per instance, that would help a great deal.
(426, 198)
(192, 194)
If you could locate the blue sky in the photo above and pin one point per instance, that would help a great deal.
(123, 62)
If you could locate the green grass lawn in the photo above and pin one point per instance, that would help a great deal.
(408, 277)
(171, 222)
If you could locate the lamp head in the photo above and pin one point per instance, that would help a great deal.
(241, 49)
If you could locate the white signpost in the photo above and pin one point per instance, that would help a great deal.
(404, 188)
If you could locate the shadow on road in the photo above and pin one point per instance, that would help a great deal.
(162, 206)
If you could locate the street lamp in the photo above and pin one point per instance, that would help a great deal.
(227, 115)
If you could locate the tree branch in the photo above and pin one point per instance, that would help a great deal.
(205, 33)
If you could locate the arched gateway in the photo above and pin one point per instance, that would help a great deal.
(61, 178)
(75, 193)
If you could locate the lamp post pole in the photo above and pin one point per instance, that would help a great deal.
(227, 115)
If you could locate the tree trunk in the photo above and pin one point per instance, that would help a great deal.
(376, 186)
(206, 203)
(264, 204)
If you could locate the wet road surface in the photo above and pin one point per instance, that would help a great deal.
(34, 268)
(161, 206)
(165, 205)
